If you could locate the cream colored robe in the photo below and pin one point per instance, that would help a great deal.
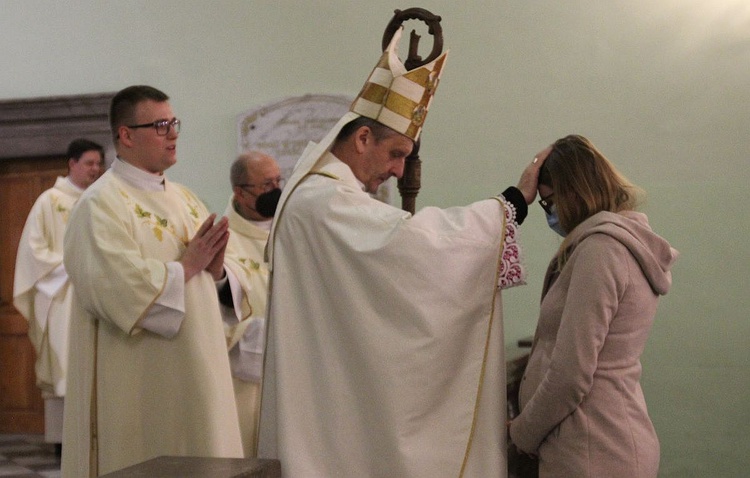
(41, 290)
(247, 243)
(132, 394)
(385, 340)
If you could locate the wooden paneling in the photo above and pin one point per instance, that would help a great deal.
(21, 404)
(34, 135)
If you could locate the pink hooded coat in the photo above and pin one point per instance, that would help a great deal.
(582, 408)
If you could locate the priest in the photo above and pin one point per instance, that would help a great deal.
(42, 292)
(256, 186)
(385, 342)
(149, 370)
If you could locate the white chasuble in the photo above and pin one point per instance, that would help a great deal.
(246, 338)
(385, 340)
(136, 394)
(41, 289)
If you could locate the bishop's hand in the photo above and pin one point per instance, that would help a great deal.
(530, 176)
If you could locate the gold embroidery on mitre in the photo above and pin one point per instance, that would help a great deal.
(374, 93)
(419, 114)
(400, 105)
(432, 82)
(399, 100)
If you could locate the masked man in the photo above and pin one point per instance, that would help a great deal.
(256, 185)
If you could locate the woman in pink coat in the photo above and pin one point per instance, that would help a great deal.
(582, 408)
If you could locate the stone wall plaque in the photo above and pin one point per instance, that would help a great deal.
(283, 129)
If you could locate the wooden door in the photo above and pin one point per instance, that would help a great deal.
(21, 182)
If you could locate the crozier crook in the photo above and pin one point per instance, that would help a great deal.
(410, 182)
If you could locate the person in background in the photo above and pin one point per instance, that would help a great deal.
(583, 412)
(256, 186)
(385, 342)
(149, 370)
(42, 292)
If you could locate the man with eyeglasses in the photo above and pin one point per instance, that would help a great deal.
(149, 370)
(42, 292)
(256, 186)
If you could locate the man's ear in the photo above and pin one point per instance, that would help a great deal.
(124, 135)
(361, 138)
(237, 192)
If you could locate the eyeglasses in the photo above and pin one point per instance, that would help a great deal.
(266, 186)
(161, 126)
(547, 203)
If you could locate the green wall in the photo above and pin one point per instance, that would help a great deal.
(662, 87)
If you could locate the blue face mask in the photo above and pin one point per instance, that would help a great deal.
(554, 222)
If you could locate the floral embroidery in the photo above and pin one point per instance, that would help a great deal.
(141, 213)
(59, 208)
(248, 262)
(192, 205)
(193, 211)
(158, 224)
(511, 272)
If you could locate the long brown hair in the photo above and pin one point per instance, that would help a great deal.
(584, 183)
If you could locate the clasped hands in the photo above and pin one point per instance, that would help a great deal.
(205, 251)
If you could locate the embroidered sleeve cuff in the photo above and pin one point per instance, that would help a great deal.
(510, 269)
(515, 197)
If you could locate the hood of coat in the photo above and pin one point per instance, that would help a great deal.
(652, 252)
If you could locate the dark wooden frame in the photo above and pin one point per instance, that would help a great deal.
(37, 127)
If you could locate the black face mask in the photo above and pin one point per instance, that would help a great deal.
(267, 202)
